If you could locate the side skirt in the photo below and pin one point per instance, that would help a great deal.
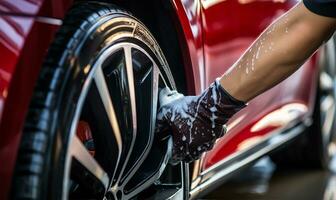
(217, 174)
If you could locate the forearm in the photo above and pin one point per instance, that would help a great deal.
(279, 51)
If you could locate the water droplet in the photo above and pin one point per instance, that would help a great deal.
(257, 55)
(213, 109)
(184, 138)
(273, 27)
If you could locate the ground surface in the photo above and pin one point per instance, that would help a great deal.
(264, 181)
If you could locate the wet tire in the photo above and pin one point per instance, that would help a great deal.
(104, 68)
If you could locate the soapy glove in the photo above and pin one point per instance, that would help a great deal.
(195, 122)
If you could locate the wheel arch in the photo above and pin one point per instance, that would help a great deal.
(161, 18)
(175, 24)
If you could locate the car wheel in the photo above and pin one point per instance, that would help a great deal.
(89, 131)
(326, 121)
(316, 146)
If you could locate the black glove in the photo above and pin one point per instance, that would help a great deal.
(195, 122)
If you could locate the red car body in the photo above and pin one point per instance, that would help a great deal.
(212, 35)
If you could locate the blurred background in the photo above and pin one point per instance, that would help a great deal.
(267, 181)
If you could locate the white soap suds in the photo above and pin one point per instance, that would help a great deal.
(213, 109)
(184, 138)
(212, 118)
(214, 95)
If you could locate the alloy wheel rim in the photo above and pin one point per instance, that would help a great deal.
(327, 97)
(118, 182)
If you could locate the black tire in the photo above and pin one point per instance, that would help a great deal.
(312, 148)
(65, 93)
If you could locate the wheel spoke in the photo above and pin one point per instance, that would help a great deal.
(154, 93)
(131, 89)
(156, 75)
(107, 102)
(145, 184)
(328, 112)
(80, 153)
(326, 82)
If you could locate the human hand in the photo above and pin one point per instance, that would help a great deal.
(195, 122)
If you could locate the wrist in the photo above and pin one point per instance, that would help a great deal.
(223, 92)
(217, 104)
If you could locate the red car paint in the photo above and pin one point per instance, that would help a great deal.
(189, 16)
(17, 82)
(24, 40)
(213, 34)
(50, 8)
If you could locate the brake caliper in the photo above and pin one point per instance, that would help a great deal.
(85, 135)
